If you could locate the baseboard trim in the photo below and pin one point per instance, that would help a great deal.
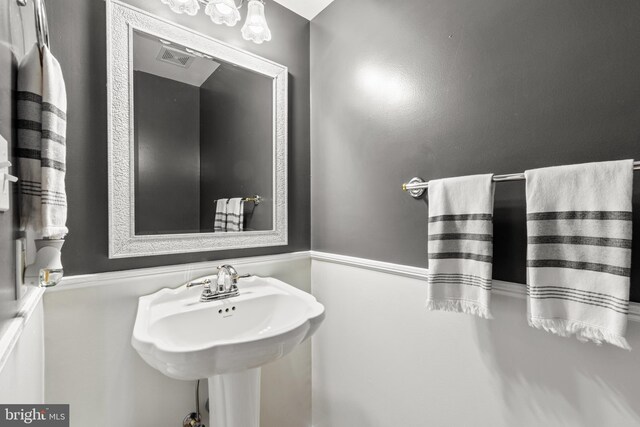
(511, 289)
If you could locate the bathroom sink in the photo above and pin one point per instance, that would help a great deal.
(187, 339)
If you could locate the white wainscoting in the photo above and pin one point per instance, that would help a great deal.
(379, 360)
(91, 365)
(22, 353)
(382, 360)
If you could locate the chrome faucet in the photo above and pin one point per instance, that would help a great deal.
(226, 285)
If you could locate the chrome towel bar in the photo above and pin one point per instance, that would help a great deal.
(416, 186)
(254, 199)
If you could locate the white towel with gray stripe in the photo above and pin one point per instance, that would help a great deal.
(235, 214)
(220, 220)
(41, 125)
(579, 250)
(461, 244)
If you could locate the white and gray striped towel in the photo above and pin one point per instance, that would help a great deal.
(235, 214)
(579, 250)
(461, 244)
(220, 221)
(41, 124)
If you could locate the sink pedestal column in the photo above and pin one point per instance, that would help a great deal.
(234, 399)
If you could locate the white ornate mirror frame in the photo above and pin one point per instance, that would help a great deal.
(122, 20)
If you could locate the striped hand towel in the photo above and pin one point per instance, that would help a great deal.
(220, 221)
(579, 250)
(235, 214)
(461, 244)
(29, 129)
(41, 111)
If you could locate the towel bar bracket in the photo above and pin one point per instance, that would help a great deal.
(255, 199)
(416, 193)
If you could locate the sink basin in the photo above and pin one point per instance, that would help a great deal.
(225, 341)
(187, 339)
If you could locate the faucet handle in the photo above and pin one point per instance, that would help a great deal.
(206, 292)
(233, 287)
(206, 283)
(233, 273)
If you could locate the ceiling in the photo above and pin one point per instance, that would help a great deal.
(306, 8)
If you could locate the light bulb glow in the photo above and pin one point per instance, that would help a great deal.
(190, 7)
(223, 12)
(223, 8)
(255, 27)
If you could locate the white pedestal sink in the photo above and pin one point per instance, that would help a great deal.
(225, 341)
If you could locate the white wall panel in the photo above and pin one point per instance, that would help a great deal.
(382, 360)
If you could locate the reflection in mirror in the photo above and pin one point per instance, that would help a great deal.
(203, 134)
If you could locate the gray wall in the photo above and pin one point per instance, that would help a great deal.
(81, 50)
(236, 130)
(167, 159)
(14, 43)
(458, 87)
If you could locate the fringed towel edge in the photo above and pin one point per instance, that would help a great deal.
(460, 306)
(583, 332)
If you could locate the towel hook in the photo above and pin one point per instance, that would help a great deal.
(42, 26)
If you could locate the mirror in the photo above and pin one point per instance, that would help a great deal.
(202, 133)
(202, 163)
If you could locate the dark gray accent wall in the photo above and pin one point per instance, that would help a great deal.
(236, 130)
(458, 87)
(78, 40)
(167, 155)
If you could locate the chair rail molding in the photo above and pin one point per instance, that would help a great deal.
(193, 270)
(510, 289)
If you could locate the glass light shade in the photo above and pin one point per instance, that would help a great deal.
(223, 12)
(255, 27)
(190, 7)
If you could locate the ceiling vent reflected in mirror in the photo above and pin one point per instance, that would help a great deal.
(170, 60)
(175, 57)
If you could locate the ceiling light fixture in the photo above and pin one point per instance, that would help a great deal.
(226, 12)
(255, 27)
(190, 7)
(223, 12)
